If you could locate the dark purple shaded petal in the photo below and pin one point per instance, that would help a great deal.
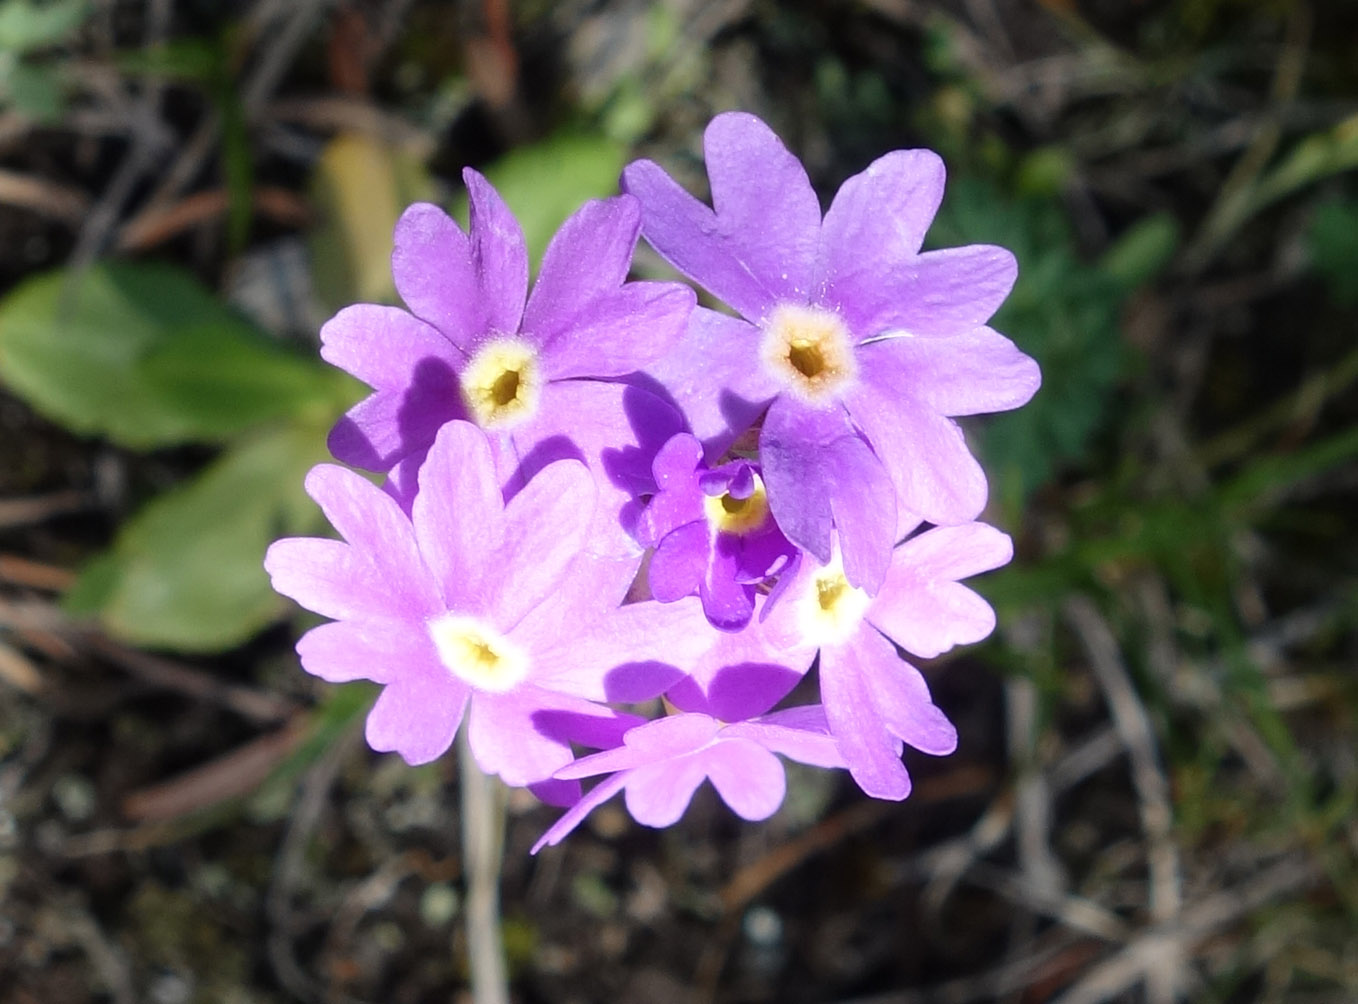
(500, 254)
(874, 229)
(921, 606)
(417, 717)
(381, 651)
(741, 675)
(763, 553)
(457, 518)
(821, 477)
(925, 454)
(679, 563)
(715, 376)
(747, 776)
(939, 294)
(972, 374)
(728, 604)
(436, 274)
(872, 754)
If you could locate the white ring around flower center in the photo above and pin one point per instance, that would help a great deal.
(809, 351)
(829, 609)
(726, 514)
(478, 654)
(502, 383)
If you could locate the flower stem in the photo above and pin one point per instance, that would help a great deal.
(482, 853)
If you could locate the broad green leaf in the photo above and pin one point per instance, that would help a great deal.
(145, 355)
(186, 572)
(546, 182)
(34, 90)
(25, 25)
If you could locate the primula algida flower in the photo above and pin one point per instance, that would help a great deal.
(475, 604)
(857, 348)
(712, 532)
(874, 701)
(534, 371)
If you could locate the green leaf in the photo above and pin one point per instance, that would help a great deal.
(1333, 241)
(25, 25)
(186, 572)
(1143, 251)
(546, 182)
(147, 356)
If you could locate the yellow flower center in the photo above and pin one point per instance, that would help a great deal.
(502, 383)
(808, 349)
(478, 655)
(727, 514)
(831, 610)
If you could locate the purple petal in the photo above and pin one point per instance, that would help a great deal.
(457, 516)
(500, 254)
(748, 778)
(382, 346)
(728, 604)
(654, 742)
(435, 273)
(759, 246)
(939, 294)
(821, 476)
(381, 651)
(925, 454)
(875, 227)
(908, 711)
(976, 373)
(677, 502)
(715, 376)
(417, 717)
(801, 734)
(871, 753)
(679, 563)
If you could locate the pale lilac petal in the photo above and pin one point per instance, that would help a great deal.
(657, 795)
(759, 246)
(632, 654)
(976, 373)
(821, 477)
(592, 589)
(910, 713)
(875, 227)
(748, 777)
(939, 294)
(545, 528)
(921, 607)
(587, 259)
(435, 273)
(715, 377)
(871, 753)
(576, 814)
(800, 734)
(379, 574)
(457, 516)
(679, 563)
(925, 454)
(381, 651)
(500, 254)
(654, 742)
(677, 501)
(417, 717)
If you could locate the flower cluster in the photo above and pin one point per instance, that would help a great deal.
(598, 493)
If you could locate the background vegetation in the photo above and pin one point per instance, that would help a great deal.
(1155, 795)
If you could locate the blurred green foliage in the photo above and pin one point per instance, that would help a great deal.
(32, 84)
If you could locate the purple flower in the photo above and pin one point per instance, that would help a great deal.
(475, 604)
(874, 701)
(536, 372)
(661, 764)
(857, 348)
(712, 532)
